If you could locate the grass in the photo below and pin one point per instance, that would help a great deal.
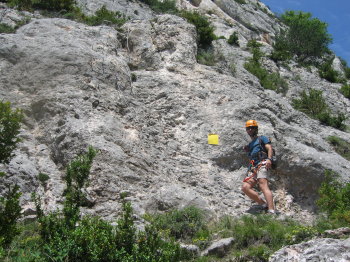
(341, 146)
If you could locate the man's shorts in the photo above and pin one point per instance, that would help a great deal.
(263, 173)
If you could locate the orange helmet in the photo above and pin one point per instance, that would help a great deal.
(251, 123)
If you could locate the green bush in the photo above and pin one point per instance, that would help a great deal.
(66, 236)
(54, 5)
(205, 31)
(10, 212)
(327, 72)
(242, 2)
(306, 38)
(271, 81)
(257, 237)
(6, 29)
(335, 198)
(345, 90)
(336, 121)
(166, 6)
(43, 178)
(311, 103)
(340, 146)
(104, 16)
(314, 105)
(206, 57)
(347, 72)
(50, 5)
(10, 121)
(181, 224)
(233, 39)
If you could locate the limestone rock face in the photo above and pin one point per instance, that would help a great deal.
(139, 96)
(325, 249)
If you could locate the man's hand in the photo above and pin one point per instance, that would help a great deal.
(268, 163)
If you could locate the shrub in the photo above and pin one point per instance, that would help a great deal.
(306, 37)
(314, 105)
(327, 72)
(9, 130)
(311, 103)
(54, 5)
(271, 81)
(181, 224)
(233, 39)
(347, 72)
(68, 237)
(242, 2)
(257, 237)
(335, 198)
(206, 57)
(345, 90)
(10, 211)
(50, 5)
(166, 6)
(205, 31)
(43, 178)
(104, 16)
(340, 146)
(336, 121)
(6, 29)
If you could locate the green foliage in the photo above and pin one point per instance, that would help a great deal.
(10, 121)
(233, 39)
(327, 72)
(66, 236)
(314, 105)
(336, 121)
(347, 72)
(340, 146)
(257, 237)
(206, 57)
(345, 90)
(54, 5)
(43, 178)
(76, 178)
(242, 2)
(10, 211)
(300, 233)
(166, 6)
(6, 29)
(50, 5)
(104, 16)
(181, 224)
(306, 37)
(271, 81)
(205, 31)
(335, 198)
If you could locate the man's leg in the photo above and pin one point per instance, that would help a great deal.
(264, 187)
(247, 188)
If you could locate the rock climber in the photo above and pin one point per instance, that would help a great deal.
(260, 154)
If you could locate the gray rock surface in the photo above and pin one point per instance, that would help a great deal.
(326, 249)
(139, 96)
(219, 248)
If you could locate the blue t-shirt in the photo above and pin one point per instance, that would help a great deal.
(255, 147)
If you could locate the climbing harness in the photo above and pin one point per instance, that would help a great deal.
(254, 170)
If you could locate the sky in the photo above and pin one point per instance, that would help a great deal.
(336, 13)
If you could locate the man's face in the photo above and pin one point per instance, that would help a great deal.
(251, 130)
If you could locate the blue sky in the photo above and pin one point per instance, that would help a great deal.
(335, 13)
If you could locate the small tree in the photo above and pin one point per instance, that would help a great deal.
(233, 39)
(10, 209)
(306, 37)
(205, 31)
(10, 121)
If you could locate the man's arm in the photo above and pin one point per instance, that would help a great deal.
(268, 148)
